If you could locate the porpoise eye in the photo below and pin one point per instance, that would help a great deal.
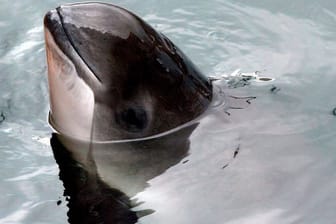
(132, 119)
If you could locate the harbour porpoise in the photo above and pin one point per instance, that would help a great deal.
(112, 76)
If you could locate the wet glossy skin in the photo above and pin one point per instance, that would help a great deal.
(141, 82)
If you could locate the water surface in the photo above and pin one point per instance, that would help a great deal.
(284, 169)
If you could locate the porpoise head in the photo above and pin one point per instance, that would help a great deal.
(112, 76)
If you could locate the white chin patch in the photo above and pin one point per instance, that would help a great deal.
(71, 99)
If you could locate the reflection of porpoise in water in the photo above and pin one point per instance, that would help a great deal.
(112, 77)
(100, 178)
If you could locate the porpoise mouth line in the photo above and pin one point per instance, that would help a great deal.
(72, 44)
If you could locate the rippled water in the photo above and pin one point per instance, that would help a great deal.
(284, 141)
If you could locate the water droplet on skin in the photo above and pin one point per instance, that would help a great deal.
(159, 60)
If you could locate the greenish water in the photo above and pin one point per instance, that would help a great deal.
(284, 171)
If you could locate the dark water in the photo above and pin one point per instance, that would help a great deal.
(271, 162)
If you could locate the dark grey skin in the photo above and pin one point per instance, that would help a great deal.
(112, 76)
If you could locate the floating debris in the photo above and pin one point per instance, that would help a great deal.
(246, 98)
(185, 161)
(236, 151)
(334, 111)
(265, 79)
(2, 117)
(274, 89)
(226, 165)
